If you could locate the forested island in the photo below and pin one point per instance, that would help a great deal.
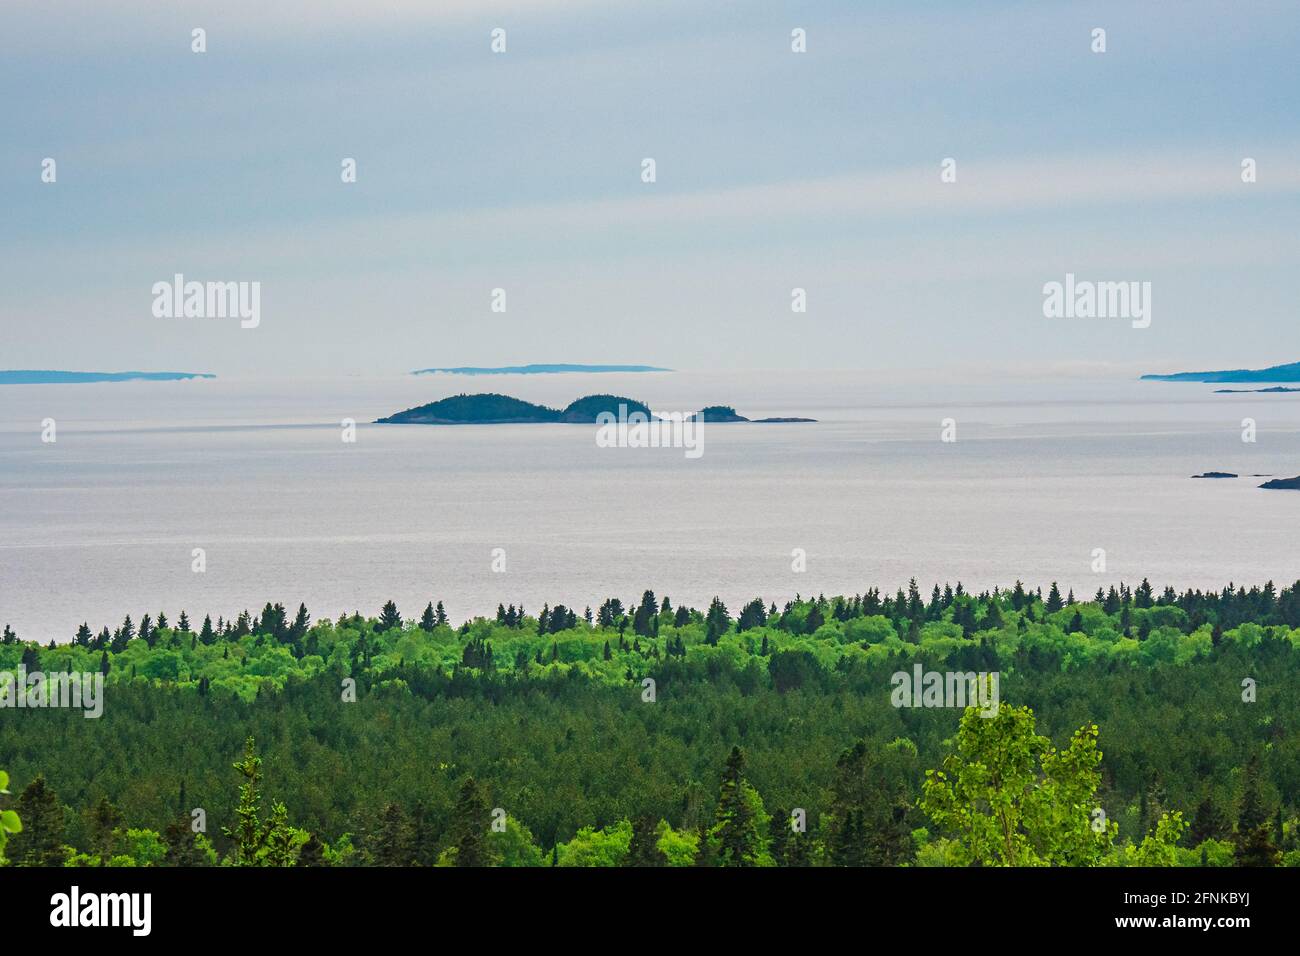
(1138, 727)
(493, 409)
(52, 377)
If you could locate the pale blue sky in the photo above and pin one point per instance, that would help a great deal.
(775, 170)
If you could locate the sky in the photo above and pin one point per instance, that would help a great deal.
(522, 171)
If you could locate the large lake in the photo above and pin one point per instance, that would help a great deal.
(103, 522)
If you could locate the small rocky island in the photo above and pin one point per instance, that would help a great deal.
(493, 409)
(1283, 484)
(1253, 391)
(1216, 474)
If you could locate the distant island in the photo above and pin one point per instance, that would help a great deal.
(1216, 474)
(493, 409)
(537, 369)
(1283, 484)
(1248, 391)
(725, 413)
(24, 376)
(1274, 373)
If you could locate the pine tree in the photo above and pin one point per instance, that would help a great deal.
(469, 828)
(442, 614)
(1255, 845)
(40, 842)
(428, 622)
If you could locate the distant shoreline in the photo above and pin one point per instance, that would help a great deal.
(537, 369)
(1274, 373)
(52, 377)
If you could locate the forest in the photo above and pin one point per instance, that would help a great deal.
(1136, 728)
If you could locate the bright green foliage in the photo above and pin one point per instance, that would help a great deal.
(553, 725)
(513, 846)
(679, 847)
(1010, 799)
(592, 847)
(1158, 848)
(9, 820)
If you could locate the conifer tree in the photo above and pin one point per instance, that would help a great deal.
(389, 618)
(247, 833)
(739, 837)
(1054, 602)
(469, 828)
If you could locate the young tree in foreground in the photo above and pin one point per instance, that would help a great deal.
(9, 819)
(1010, 799)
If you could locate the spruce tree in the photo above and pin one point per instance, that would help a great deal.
(389, 618)
(739, 836)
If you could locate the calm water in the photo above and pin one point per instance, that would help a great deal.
(102, 523)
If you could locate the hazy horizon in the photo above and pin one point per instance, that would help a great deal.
(521, 171)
